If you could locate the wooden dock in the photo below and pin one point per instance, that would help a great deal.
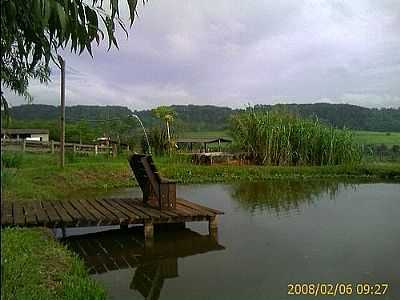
(102, 212)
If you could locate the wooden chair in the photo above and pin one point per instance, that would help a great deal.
(157, 191)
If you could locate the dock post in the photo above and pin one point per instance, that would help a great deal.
(148, 235)
(63, 232)
(148, 231)
(213, 227)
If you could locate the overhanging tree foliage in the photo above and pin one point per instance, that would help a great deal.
(33, 31)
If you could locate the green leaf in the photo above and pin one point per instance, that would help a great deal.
(46, 12)
(61, 17)
(12, 12)
(132, 9)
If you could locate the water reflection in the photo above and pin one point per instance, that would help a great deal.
(152, 264)
(284, 195)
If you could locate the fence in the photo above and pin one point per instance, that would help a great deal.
(52, 146)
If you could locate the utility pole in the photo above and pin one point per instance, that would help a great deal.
(62, 113)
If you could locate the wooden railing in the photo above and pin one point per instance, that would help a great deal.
(53, 146)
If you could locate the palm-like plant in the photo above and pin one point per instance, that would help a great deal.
(168, 115)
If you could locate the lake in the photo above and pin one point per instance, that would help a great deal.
(272, 234)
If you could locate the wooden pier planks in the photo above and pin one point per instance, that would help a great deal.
(73, 213)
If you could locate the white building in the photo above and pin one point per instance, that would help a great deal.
(25, 134)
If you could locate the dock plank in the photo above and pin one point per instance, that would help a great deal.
(187, 211)
(154, 213)
(51, 212)
(132, 208)
(62, 212)
(109, 217)
(195, 209)
(122, 217)
(73, 212)
(131, 215)
(18, 213)
(2, 212)
(30, 214)
(88, 218)
(200, 207)
(7, 215)
(41, 214)
(98, 215)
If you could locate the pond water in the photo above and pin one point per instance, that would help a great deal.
(273, 234)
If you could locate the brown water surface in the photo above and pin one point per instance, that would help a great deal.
(273, 233)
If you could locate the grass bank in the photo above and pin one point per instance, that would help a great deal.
(39, 177)
(34, 266)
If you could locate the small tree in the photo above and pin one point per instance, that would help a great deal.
(168, 115)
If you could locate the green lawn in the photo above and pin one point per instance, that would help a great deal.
(35, 266)
(374, 137)
(38, 176)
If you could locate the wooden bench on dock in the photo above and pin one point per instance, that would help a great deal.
(157, 191)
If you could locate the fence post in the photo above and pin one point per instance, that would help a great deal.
(127, 147)
(114, 150)
(52, 146)
(74, 148)
(23, 145)
(95, 150)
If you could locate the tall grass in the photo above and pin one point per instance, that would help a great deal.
(280, 138)
(11, 159)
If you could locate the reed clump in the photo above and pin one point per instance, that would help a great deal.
(285, 139)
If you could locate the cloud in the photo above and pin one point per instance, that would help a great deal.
(235, 52)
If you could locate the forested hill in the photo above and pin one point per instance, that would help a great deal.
(72, 113)
(198, 118)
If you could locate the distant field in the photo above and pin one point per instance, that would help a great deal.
(374, 137)
(362, 137)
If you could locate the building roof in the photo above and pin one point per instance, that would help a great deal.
(24, 131)
(204, 140)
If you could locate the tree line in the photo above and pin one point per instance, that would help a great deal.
(208, 117)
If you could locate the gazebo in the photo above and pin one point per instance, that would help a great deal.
(203, 142)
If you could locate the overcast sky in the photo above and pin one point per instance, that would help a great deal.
(232, 53)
